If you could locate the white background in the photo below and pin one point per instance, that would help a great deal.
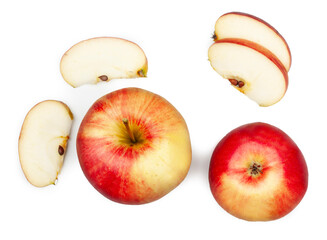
(175, 36)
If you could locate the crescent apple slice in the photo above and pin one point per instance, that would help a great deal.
(43, 141)
(102, 59)
(251, 68)
(248, 27)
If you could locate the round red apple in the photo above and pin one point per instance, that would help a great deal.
(258, 173)
(134, 146)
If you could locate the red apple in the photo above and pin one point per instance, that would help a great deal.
(133, 146)
(258, 173)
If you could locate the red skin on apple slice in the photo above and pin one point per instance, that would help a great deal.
(258, 173)
(251, 68)
(259, 20)
(264, 51)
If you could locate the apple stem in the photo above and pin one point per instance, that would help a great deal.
(130, 133)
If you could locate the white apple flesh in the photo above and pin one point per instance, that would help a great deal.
(43, 141)
(248, 27)
(102, 59)
(251, 69)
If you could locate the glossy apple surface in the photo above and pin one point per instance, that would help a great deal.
(258, 173)
(140, 171)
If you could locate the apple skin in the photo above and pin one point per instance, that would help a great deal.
(263, 195)
(217, 37)
(264, 51)
(231, 65)
(134, 173)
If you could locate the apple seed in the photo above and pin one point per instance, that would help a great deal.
(61, 150)
(233, 82)
(236, 83)
(103, 77)
(240, 84)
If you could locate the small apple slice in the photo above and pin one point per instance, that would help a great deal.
(248, 27)
(102, 59)
(43, 141)
(251, 68)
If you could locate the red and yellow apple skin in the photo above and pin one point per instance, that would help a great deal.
(257, 173)
(127, 172)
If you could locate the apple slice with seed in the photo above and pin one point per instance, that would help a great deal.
(250, 68)
(102, 59)
(43, 141)
(249, 27)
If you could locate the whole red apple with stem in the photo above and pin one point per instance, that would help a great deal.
(134, 146)
(258, 173)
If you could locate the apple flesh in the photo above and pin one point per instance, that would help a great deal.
(257, 173)
(133, 146)
(251, 68)
(251, 28)
(43, 141)
(102, 59)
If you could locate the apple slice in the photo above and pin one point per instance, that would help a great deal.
(251, 68)
(102, 59)
(246, 26)
(43, 141)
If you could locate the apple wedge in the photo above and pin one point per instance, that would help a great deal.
(43, 141)
(250, 68)
(102, 59)
(248, 27)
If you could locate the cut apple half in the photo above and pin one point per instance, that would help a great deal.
(250, 68)
(102, 59)
(248, 27)
(43, 141)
